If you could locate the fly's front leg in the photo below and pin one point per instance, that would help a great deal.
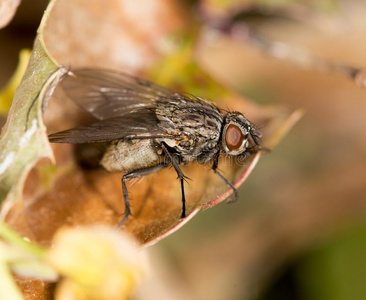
(227, 182)
(136, 174)
(175, 161)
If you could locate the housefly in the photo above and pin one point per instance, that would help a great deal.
(148, 127)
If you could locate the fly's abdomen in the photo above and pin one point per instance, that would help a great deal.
(128, 155)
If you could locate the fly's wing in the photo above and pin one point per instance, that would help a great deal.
(108, 93)
(137, 125)
(126, 106)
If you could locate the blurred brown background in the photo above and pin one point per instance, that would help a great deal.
(298, 231)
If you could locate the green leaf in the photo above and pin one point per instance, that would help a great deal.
(24, 140)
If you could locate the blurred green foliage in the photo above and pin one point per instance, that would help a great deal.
(337, 269)
(334, 270)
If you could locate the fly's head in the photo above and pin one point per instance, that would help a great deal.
(239, 136)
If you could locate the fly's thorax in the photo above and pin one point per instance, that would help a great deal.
(235, 134)
(128, 155)
(195, 128)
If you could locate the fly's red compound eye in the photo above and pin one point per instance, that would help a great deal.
(234, 137)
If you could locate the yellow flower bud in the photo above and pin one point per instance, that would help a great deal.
(97, 263)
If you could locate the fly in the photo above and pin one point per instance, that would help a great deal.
(148, 127)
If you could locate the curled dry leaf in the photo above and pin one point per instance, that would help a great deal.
(105, 34)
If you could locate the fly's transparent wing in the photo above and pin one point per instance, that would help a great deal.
(138, 125)
(128, 107)
(108, 93)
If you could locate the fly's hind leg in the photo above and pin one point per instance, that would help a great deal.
(136, 174)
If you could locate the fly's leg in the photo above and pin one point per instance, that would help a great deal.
(175, 161)
(136, 174)
(227, 182)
